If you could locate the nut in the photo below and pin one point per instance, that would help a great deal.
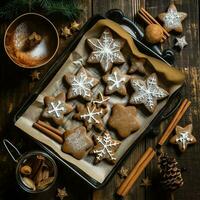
(26, 170)
(29, 183)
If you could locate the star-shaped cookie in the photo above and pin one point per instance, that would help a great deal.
(172, 19)
(81, 84)
(91, 116)
(123, 120)
(183, 137)
(106, 50)
(181, 42)
(77, 142)
(116, 82)
(137, 64)
(147, 92)
(105, 148)
(56, 108)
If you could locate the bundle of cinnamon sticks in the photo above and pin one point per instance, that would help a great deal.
(150, 152)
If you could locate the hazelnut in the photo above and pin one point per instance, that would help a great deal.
(153, 33)
(26, 170)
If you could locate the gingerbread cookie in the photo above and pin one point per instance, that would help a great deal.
(81, 84)
(77, 142)
(183, 137)
(137, 65)
(105, 148)
(101, 100)
(123, 120)
(181, 42)
(91, 115)
(116, 82)
(106, 50)
(147, 92)
(56, 108)
(172, 19)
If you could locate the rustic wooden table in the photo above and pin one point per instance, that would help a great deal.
(16, 85)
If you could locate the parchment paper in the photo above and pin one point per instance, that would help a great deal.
(77, 59)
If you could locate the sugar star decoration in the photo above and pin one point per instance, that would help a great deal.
(123, 172)
(183, 137)
(147, 92)
(116, 82)
(75, 26)
(123, 119)
(62, 193)
(101, 100)
(106, 50)
(81, 84)
(146, 182)
(105, 148)
(172, 19)
(65, 32)
(137, 64)
(77, 142)
(91, 115)
(181, 42)
(35, 75)
(56, 108)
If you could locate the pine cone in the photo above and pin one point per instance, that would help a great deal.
(171, 177)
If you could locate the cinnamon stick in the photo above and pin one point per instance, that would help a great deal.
(49, 133)
(182, 109)
(136, 171)
(51, 128)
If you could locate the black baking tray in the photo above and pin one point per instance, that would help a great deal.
(163, 114)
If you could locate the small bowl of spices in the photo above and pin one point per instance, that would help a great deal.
(36, 171)
(31, 40)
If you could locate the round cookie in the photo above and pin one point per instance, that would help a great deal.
(123, 120)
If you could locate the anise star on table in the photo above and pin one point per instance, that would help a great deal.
(62, 193)
(35, 75)
(75, 26)
(65, 32)
(146, 182)
(105, 148)
(147, 92)
(183, 137)
(123, 172)
(172, 19)
(106, 50)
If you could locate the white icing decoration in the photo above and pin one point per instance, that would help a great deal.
(90, 116)
(56, 108)
(77, 140)
(80, 62)
(172, 19)
(147, 92)
(115, 80)
(184, 139)
(106, 49)
(81, 85)
(181, 42)
(106, 149)
(102, 99)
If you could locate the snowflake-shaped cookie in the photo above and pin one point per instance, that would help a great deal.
(105, 148)
(56, 108)
(147, 92)
(172, 19)
(106, 50)
(77, 142)
(81, 84)
(116, 82)
(91, 115)
(183, 137)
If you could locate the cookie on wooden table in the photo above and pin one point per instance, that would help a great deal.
(77, 142)
(91, 116)
(137, 65)
(123, 119)
(116, 82)
(106, 50)
(183, 137)
(56, 108)
(147, 92)
(105, 148)
(81, 84)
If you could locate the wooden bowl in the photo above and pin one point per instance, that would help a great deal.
(17, 37)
